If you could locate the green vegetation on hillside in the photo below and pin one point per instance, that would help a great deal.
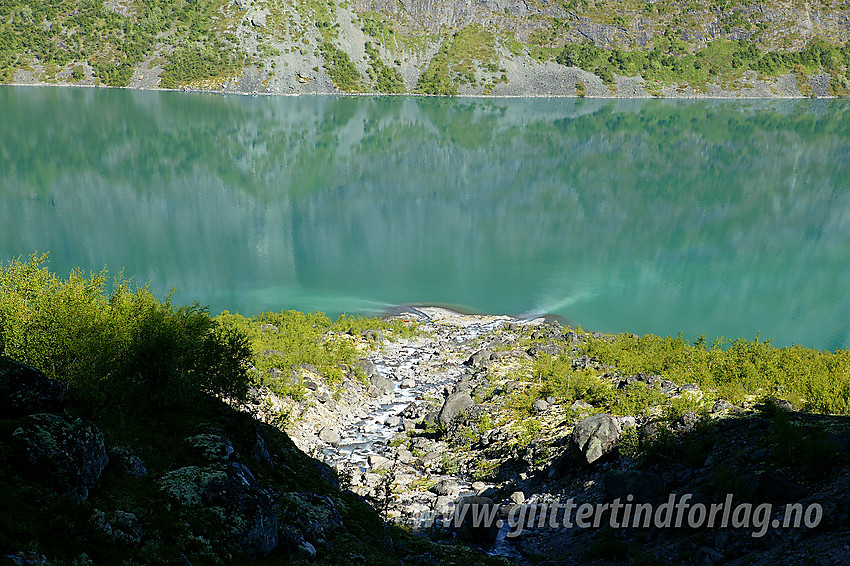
(721, 61)
(198, 61)
(458, 61)
(733, 370)
(342, 71)
(54, 33)
(280, 341)
(118, 348)
(387, 79)
(196, 40)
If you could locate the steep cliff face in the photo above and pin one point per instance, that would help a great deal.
(481, 47)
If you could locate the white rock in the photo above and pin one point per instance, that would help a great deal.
(377, 462)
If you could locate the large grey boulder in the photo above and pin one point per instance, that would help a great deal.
(329, 435)
(380, 386)
(367, 366)
(453, 406)
(70, 450)
(479, 359)
(594, 437)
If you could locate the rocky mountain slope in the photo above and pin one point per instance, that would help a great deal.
(488, 47)
(472, 408)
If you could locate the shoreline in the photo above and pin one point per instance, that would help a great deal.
(223, 92)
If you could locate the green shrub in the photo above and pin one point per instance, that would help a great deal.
(279, 341)
(437, 77)
(198, 61)
(342, 71)
(387, 79)
(735, 368)
(671, 61)
(123, 348)
(569, 385)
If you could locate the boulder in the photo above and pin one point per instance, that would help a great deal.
(721, 405)
(453, 406)
(373, 336)
(25, 390)
(540, 406)
(367, 366)
(127, 462)
(686, 422)
(259, 452)
(329, 435)
(211, 447)
(231, 492)
(550, 348)
(481, 358)
(69, 450)
(594, 437)
(121, 527)
(446, 487)
(377, 462)
(380, 385)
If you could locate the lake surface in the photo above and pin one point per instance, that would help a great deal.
(706, 217)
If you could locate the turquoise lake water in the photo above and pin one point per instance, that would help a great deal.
(722, 218)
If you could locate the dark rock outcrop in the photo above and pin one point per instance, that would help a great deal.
(69, 450)
(25, 390)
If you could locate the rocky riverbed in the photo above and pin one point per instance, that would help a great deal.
(460, 412)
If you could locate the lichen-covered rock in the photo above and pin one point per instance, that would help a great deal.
(25, 390)
(212, 447)
(70, 450)
(594, 437)
(307, 517)
(191, 484)
(230, 491)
